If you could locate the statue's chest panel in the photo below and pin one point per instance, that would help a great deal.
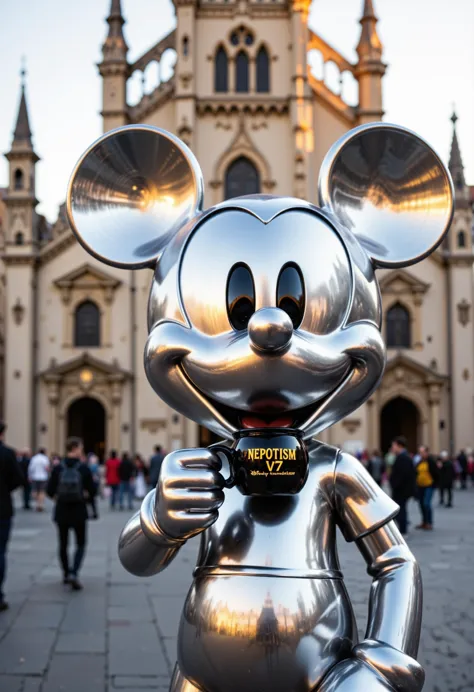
(273, 534)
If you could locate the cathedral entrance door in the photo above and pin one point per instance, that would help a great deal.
(86, 419)
(400, 417)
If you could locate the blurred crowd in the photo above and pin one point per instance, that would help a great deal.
(122, 478)
(420, 475)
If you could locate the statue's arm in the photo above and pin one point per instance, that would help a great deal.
(364, 514)
(185, 503)
(395, 608)
(143, 548)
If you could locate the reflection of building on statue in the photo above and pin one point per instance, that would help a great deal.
(88, 321)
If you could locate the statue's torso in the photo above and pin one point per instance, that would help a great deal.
(268, 609)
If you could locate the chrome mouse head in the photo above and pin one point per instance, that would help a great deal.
(263, 311)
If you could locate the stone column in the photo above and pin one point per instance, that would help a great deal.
(434, 402)
(53, 399)
(114, 418)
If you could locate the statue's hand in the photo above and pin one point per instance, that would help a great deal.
(352, 675)
(189, 492)
(375, 667)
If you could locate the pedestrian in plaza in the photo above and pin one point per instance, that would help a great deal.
(11, 477)
(71, 486)
(112, 478)
(462, 461)
(426, 481)
(470, 465)
(376, 467)
(402, 481)
(24, 462)
(446, 479)
(93, 464)
(126, 475)
(155, 466)
(38, 473)
(140, 477)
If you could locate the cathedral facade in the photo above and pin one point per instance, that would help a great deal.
(247, 97)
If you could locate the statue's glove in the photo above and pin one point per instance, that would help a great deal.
(187, 497)
(375, 667)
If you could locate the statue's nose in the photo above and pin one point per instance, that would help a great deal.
(270, 329)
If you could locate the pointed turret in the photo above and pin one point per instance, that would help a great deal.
(370, 46)
(114, 70)
(455, 161)
(22, 129)
(370, 68)
(115, 46)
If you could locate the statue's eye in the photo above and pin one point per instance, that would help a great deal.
(290, 293)
(240, 296)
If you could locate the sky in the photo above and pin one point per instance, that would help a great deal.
(428, 45)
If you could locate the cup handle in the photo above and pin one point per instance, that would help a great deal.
(229, 454)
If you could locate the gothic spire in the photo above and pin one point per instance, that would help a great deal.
(115, 46)
(370, 46)
(22, 133)
(455, 160)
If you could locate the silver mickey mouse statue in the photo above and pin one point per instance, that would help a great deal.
(265, 312)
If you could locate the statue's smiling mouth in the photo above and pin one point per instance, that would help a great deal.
(269, 412)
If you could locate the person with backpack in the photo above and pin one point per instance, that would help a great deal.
(71, 486)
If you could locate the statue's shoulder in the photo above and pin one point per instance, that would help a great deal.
(320, 453)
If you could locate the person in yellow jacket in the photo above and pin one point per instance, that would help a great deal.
(426, 481)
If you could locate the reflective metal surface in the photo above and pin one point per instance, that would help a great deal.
(390, 189)
(270, 329)
(268, 610)
(130, 193)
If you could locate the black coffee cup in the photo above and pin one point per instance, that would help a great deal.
(266, 461)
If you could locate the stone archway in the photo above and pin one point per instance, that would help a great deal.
(86, 418)
(400, 416)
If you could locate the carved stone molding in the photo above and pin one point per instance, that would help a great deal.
(464, 312)
(152, 425)
(245, 104)
(351, 425)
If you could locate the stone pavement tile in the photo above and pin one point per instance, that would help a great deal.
(7, 617)
(40, 616)
(128, 595)
(11, 683)
(168, 613)
(136, 650)
(84, 614)
(26, 652)
(130, 613)
(76, 673)
(82, 643)
(171, 648)
(32, 685)
(124, 683)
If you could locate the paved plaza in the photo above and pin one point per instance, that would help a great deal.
(119, 634)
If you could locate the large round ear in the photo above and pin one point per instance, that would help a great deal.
(130, 192)
(387, 186)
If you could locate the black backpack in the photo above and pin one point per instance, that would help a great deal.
(70, 484)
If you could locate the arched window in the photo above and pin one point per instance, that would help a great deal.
(185, 46)
(221, 77)
(19, 179)
(398, 327)
(263, 71)
(87, 325)
(19, 238)
(241, 178)
(242, 72)
(461, 239)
